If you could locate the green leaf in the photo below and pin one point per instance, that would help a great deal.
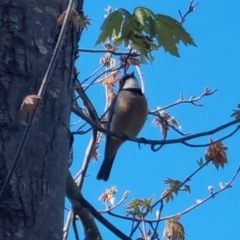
(144, 31)
(111, 27)
(169, 32)
(143, 15)
(200, 162)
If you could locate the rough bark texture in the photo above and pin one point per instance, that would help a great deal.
(33, 205)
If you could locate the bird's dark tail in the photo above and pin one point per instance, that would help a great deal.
(105, 169)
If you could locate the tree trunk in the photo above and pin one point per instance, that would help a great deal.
(32, 207)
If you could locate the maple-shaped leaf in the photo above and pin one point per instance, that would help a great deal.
(173, 184)
(143, 15)
(169, 32)
(216, 153)
(139, 207)
(111, 26)
(236, 113)
(144, 31)
(174, 230)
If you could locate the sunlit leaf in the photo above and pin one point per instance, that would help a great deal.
(108, 195)
(174, 230)
(167, 195)
(138, 207)
(169, 32)
(216, 153)
(110, 27)
(144, 31)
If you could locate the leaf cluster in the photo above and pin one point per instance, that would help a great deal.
(139, 207)
(174, 186)
(216, 153)
(144, 31)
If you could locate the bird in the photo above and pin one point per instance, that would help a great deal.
(127, 115)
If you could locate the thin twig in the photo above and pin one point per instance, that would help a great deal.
(124, 197)
(113, 70)
(67, 225)
(89, 151)
(187, 179)
(75, 228)
(191, 100)
(228, 185)
(218, 140)
(96, 71)
(108, 51)
(191, 8)
(83, 208)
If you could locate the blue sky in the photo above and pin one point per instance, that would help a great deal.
(214, 26)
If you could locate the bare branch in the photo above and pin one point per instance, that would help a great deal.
(67, 225)
(124, 197)
(154, 143)
(92, 74)
(191, 100)
(75, 228)
(228, 185)
(162, 198)
(219, 140)
(83, 208)
(108, 51)
(113, 70)
(191, 8)
(94, 117)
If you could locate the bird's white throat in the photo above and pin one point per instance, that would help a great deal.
(131, 83)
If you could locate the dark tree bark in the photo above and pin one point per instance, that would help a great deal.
(32, 207)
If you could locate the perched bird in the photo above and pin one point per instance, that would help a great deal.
(127, 115)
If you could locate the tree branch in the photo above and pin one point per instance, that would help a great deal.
(228, 185)
(190, 9)
(94, 117)
(83, 208)
(153, 143)
(108, 51)
(191, 100)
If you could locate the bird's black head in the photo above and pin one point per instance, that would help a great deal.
(128, 81)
